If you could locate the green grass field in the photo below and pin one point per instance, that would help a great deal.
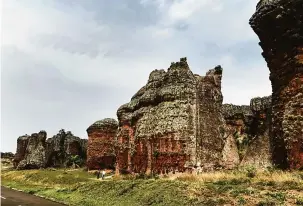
(78, 187)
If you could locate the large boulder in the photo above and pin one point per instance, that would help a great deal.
(172, 123)
(101, 144)
(279, 26)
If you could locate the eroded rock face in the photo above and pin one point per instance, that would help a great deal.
(62, 146)
(279, 25)
(238, 121)
(247, 133)
(22, 142)
(172, 123)
(35, 151)
(34, 157)
(7, 155)
(101, 144)
(259, 153)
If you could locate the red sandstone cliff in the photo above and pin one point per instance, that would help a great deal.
(279, 26)
(172, 123)
(101, 144)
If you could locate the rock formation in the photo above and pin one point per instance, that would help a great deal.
(62, 146)
(101, 144)
(259, 151)
(279, 26)
(7, 155)
(249, 127)
(35, 151)
(34, 157)
(238, 121)
(22, 142)
(172, 123)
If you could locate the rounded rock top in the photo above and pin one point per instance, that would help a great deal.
(107, 123)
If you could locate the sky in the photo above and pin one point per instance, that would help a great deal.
(68, 63)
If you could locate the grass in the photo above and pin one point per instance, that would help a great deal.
(77, 187)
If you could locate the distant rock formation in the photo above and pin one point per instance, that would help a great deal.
(101, 144)
(62, 146)
(249, 127)
(172, 123)
(259, 152)
(279, 26)
(22, 142)
(238, 121)
(7, 155)
(34, 152)
(34, 157)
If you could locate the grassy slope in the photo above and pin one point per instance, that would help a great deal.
(81, 188)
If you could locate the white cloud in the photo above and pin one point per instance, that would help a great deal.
(88, 57)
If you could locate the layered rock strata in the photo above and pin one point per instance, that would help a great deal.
(279, 26)
(101, 144)
(172, 123)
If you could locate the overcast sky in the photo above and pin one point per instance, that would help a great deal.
(68, 63)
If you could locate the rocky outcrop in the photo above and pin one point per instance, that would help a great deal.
(34, 152)
(7, 155)
(238, 121)
(259, 151)
(172, 123)
(249, 127)
(62, 146)
(279, 25)
(101, 144)
(22, 142)
(34, 157)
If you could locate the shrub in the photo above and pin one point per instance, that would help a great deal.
(251, 171)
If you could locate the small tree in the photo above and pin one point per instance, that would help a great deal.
(75, 161)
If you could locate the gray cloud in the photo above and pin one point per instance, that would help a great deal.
(70, 63)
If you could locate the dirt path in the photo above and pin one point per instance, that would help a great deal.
(15, 198)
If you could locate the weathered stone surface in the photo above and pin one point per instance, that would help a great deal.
(35, 151)
(279, 25)
(7, 155)
(238, 120)
(22, 142)
(172, 123)
(34, 157)
(259, 151)
(101, 144)
(62, 146)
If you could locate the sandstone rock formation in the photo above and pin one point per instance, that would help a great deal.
(101, 144)
(62, 146)
(259, 153)
(238, 121)
(279, 26)
(250, 127)
(35, 151)
(7, 155)
(172, 123)
(34, 157)
(22, 142)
